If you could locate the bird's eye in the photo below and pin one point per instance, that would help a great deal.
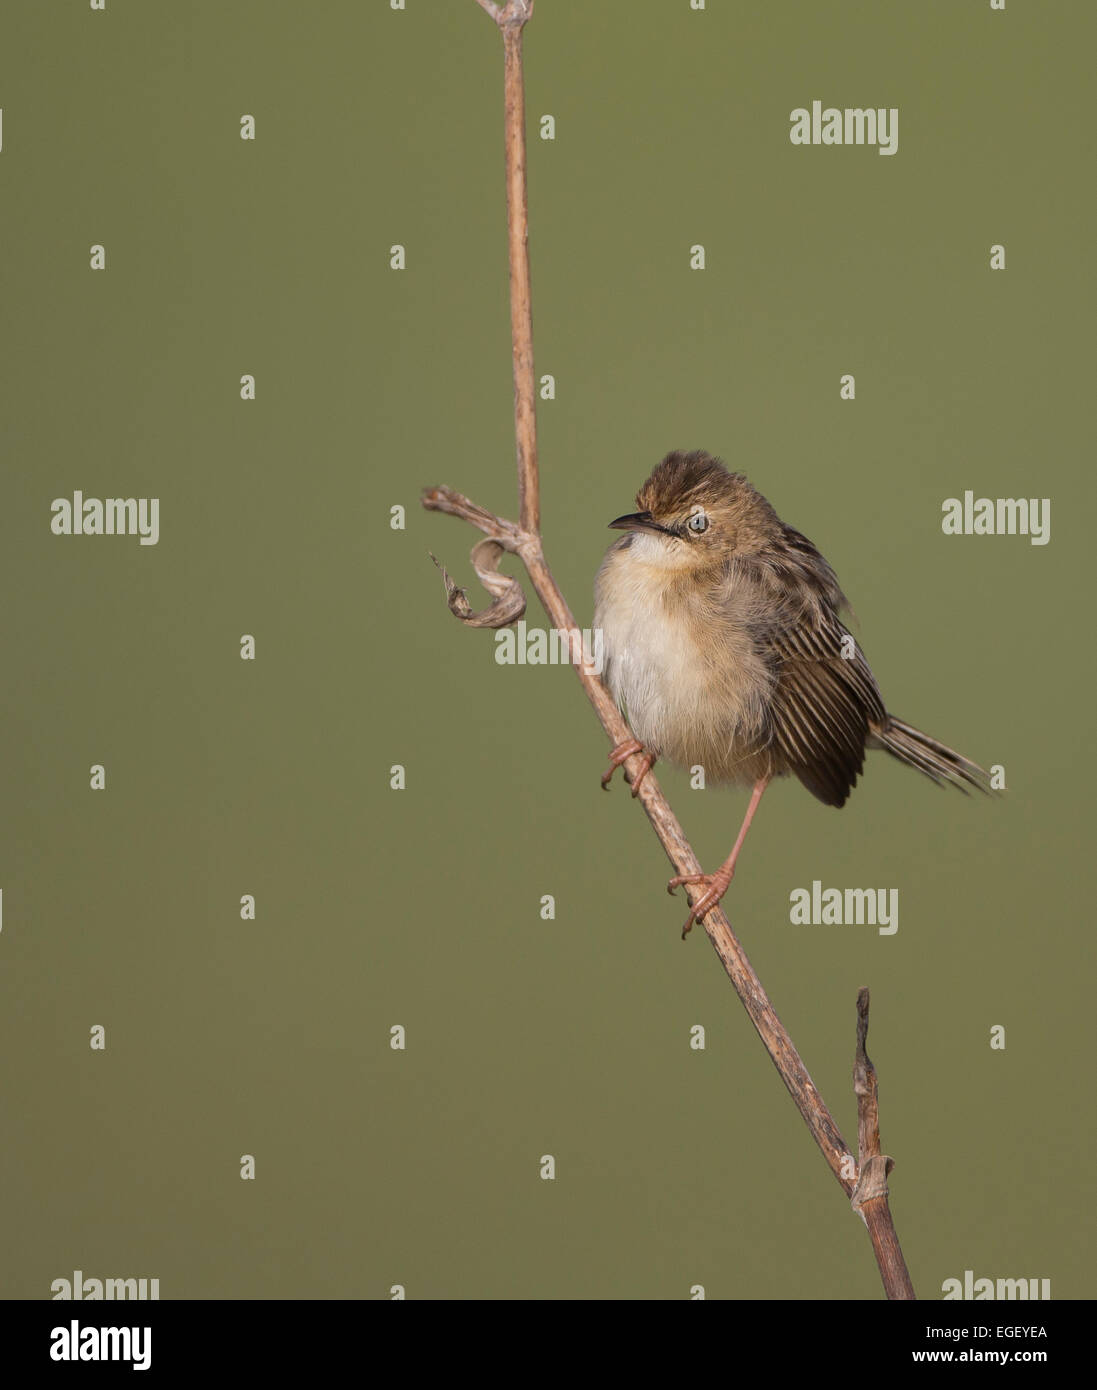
(698, 522)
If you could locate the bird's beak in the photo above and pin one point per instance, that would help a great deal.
(636, 521)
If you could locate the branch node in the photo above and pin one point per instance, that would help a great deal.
(872, 1178)
(514, 14)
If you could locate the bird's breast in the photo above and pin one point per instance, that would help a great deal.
(681, 666)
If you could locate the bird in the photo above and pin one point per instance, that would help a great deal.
(724, 646)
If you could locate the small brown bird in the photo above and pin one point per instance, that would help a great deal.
(724, 648)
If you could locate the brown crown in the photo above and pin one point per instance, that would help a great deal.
(685, 480)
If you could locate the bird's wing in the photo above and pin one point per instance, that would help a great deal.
(824, 696)
(821, 707)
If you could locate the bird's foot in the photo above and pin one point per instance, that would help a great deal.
(716, 885)
(618, 756)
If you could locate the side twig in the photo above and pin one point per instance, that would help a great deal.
(524, 540)
(870, 1196)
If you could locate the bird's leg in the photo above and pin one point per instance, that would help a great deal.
(618, 756)
(717, 883)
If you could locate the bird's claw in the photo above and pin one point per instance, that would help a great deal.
(622, 752)
(716, 886)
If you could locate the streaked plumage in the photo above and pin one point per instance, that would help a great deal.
(724, 647)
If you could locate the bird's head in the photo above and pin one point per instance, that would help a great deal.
(692, 513)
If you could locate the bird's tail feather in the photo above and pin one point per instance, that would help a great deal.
(944, 765)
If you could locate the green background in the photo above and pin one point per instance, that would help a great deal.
(420, 907)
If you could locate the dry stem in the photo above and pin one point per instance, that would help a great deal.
(524, 540)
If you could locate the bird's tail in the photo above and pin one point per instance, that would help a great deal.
(944, 765)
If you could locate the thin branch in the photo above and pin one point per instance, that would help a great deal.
(444, 499)
(512, 19)
(521, 303)
(524, 540)
(870, 1196)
